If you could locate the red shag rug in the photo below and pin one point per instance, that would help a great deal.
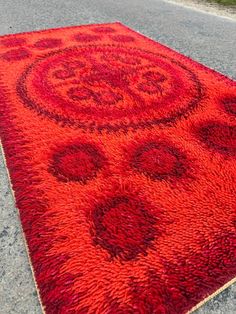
(122, 156)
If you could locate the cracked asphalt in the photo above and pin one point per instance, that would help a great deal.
(206, 38)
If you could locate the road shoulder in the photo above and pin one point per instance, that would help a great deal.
(228, 12)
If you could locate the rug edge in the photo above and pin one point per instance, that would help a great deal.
(21, 228)
(211, 296)
(37, 31)
(203, 66)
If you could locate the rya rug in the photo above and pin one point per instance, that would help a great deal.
(122, 157)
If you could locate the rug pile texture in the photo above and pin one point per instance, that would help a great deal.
(122, 157)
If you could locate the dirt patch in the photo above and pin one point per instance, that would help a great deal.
(210, 7)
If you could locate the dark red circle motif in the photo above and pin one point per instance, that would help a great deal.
(218, 136)
(123, 226)
(48, 43)
(82, 37)
(78, 162)
(123, 38)
(229, 104)
(13, 42)
(16, 54)
(159, 160)
(75, 85)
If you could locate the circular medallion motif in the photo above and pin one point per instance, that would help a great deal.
(218, 136)
(80, 37)
(16, 54)
(159, 160)
(123, 226)
(48, 43)
(77, 162)
(123, 38)
(109, 87)
(13, 42)
(229, 104)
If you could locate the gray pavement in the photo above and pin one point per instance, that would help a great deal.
(204, 37)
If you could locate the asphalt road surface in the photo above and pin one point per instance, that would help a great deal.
(204, 37)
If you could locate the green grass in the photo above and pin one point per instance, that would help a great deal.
(224, 2)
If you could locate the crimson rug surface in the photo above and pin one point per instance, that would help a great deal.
(122, 156)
